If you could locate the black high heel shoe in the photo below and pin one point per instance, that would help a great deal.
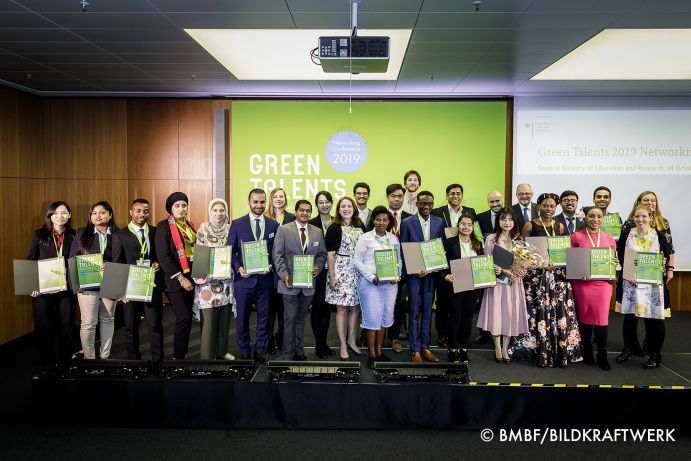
(653, 362)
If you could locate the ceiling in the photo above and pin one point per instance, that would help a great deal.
(139, 47)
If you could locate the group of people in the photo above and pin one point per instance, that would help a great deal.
(531, 313)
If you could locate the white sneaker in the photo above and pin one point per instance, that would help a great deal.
(229, 356)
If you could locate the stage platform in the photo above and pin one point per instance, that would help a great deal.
(519, 395)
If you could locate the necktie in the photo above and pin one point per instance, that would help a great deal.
(494, 219)
(303, 238)
(143, 236)
(395, 224)
(525, 215)
(257, 229)
(570, 225)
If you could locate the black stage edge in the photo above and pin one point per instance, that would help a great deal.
(204, 403)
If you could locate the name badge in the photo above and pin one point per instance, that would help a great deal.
(271, 235)
(315, 244)
(144, 262)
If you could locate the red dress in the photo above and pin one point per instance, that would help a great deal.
(592, 296)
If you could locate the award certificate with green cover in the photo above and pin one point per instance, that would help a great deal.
(140, 283)
(386, 264)
(556, 247)
(302, 271)
(89, 270)
(433, 255)
(219, 263)
(255, 257)
(602, 264)
(611, 224)
(649, 268)
(482, 268)
(51, 275)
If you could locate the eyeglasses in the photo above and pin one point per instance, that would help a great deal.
(570, 201)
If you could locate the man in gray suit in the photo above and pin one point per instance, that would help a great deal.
(292, 239)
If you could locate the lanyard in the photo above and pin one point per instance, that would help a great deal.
(643, 242)
(591, 239)
(425, 228)
(145, 244)
(102, 242)
(327, 226)
(465, 248)
(58, 251)
(545, 228)
(386, 244)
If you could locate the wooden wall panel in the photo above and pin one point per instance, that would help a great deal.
(199, 193)
(9, 134)
(196, 139)
(110, 137)
(31, 134)
(156, 191)
(152, 139)
(68, 139)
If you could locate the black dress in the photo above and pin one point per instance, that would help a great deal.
(553, 338)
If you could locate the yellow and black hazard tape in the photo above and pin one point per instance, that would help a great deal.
(584, 386)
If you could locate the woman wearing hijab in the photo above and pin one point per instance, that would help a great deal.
(214, 297)
(93, 239)
(175, 238)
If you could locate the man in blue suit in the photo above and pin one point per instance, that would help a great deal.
(252, 288)
(418, 228)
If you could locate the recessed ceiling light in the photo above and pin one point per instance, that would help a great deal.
(284, 54)
(627, 54)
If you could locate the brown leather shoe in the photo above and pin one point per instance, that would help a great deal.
(416, 357)
(429, 356)
(396, 346)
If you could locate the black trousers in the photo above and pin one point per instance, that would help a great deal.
(182, 305)
(276, 317)
(600, 336)
(153, 313)
(321, 312)
(461, 324)
(399, 311)
(53, 325)
(442, 312)
(654, 332)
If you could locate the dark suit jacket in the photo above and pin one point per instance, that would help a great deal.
(287, 245)
(127, 250)
(453, 251)
(167, 256)
(411, 230)
(518, 209)
(46, 250)
(485, 221)
(578, 224)
(75, 250)
(317, 222)
(240, 231)
(288, 217)
(443, 213)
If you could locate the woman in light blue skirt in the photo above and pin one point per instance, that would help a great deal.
(377, 297)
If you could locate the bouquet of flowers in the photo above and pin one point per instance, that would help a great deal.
(526, 256)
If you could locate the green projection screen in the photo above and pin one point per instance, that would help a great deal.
(307, 146)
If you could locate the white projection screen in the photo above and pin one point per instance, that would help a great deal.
(627, 144)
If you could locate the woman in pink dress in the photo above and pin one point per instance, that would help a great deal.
(593, 296)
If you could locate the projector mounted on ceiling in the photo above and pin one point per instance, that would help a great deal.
(353, 55)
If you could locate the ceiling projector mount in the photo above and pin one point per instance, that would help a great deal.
(352, 54)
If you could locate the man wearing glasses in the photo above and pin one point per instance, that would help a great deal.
(569, 204)
(419, 228)
(525, 209)
(361, 195)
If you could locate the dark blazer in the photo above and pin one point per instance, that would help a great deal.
(411, 230)
(317, 222)
(240, 231)
(485, 221)
(127, 250)
(578, 225)
(46, 250)
(288, 217)
(167, 256)
(518, 209)
(453, 251)
(443, 213)
(95, 248)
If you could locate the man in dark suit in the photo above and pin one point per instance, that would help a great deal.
(487, 219)
(421, 228)
(135, 244)
(569, 204)
(525, 209)
(449, 213)
(361, 193)
(252, 288)
(394, 198)
(297, 238)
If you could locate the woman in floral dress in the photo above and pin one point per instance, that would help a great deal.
(553, 338)
(341, 289)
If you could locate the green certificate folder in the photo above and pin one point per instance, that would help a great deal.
(386, 264)
(557, 246)
(433, 255)
(302, 271)
(611, 224)
(482, 268)
(89, 270)
(602, 264)
(140, 284)
(649, 268)
(219, 262)
(255, 257)
(51, 275)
